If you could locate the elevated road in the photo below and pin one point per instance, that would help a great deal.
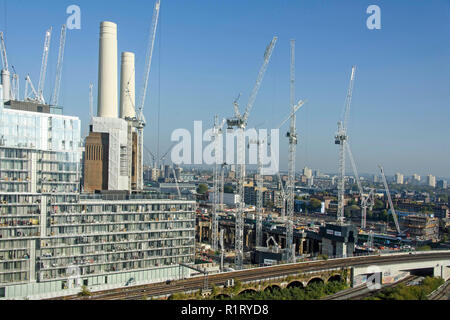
(196, 283)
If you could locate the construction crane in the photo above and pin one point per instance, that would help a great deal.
(140, 112)
(5, 65)
(176, 183)
(222, 184)
(151, 155)
(29, 84)
(259, 180)
(366, 200)
(216, 134)
(341, 139)
(40, 91)
(292, 136)
(62, 43)
(5, 74)
(222, 250)
(240, 122)
(391, 205)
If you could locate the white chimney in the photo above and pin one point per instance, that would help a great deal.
(6, 82)
(127, 86)
(107, 71)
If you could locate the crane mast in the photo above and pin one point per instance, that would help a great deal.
(364, 199)
(259, 179)
(40, 91)
(28, 83)
(62, 44)
(140, 112)
(8, 93)
(386, 187)
(216, 133)
(341, 139)
(292, 136)
(3, 49)
(240, 122)
(259, 197)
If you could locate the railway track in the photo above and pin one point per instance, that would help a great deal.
(442, 294)
(196, 283)
(363, 291)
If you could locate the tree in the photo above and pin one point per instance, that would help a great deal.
(228, 189)
(314, 204)
(85, 292)
(202, 188)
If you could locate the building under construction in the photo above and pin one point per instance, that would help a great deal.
(54, 238)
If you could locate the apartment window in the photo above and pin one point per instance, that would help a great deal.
(2, 292)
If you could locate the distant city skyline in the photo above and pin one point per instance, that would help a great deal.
(208, 52)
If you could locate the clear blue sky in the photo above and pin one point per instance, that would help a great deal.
(207, 51)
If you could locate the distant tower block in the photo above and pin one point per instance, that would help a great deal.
(107, 71)
(127, 86)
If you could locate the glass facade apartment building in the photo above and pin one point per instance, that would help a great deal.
(54, 239)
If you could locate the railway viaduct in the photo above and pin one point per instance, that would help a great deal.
(385, 268)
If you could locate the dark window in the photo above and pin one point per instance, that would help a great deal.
(85, 282)
(2, 292)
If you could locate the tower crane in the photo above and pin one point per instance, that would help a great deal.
(139, 119)
(341, 139)
(5, 65)
(292, 136)
(5, 74)
(222, 250)
(222, 184)
(176, 183)
(216, 134)
(366, 200)
(240, 122)
(259, 180)
(62, 43)
(391, 205)
(40, 91)
(28, 83)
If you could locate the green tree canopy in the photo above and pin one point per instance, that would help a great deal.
(202, 188)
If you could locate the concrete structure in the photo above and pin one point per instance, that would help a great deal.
(391, 272)
(338, 240)
(6, 84)
(117, 138)
(127, 86)
(229, 199)
(107, 71)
